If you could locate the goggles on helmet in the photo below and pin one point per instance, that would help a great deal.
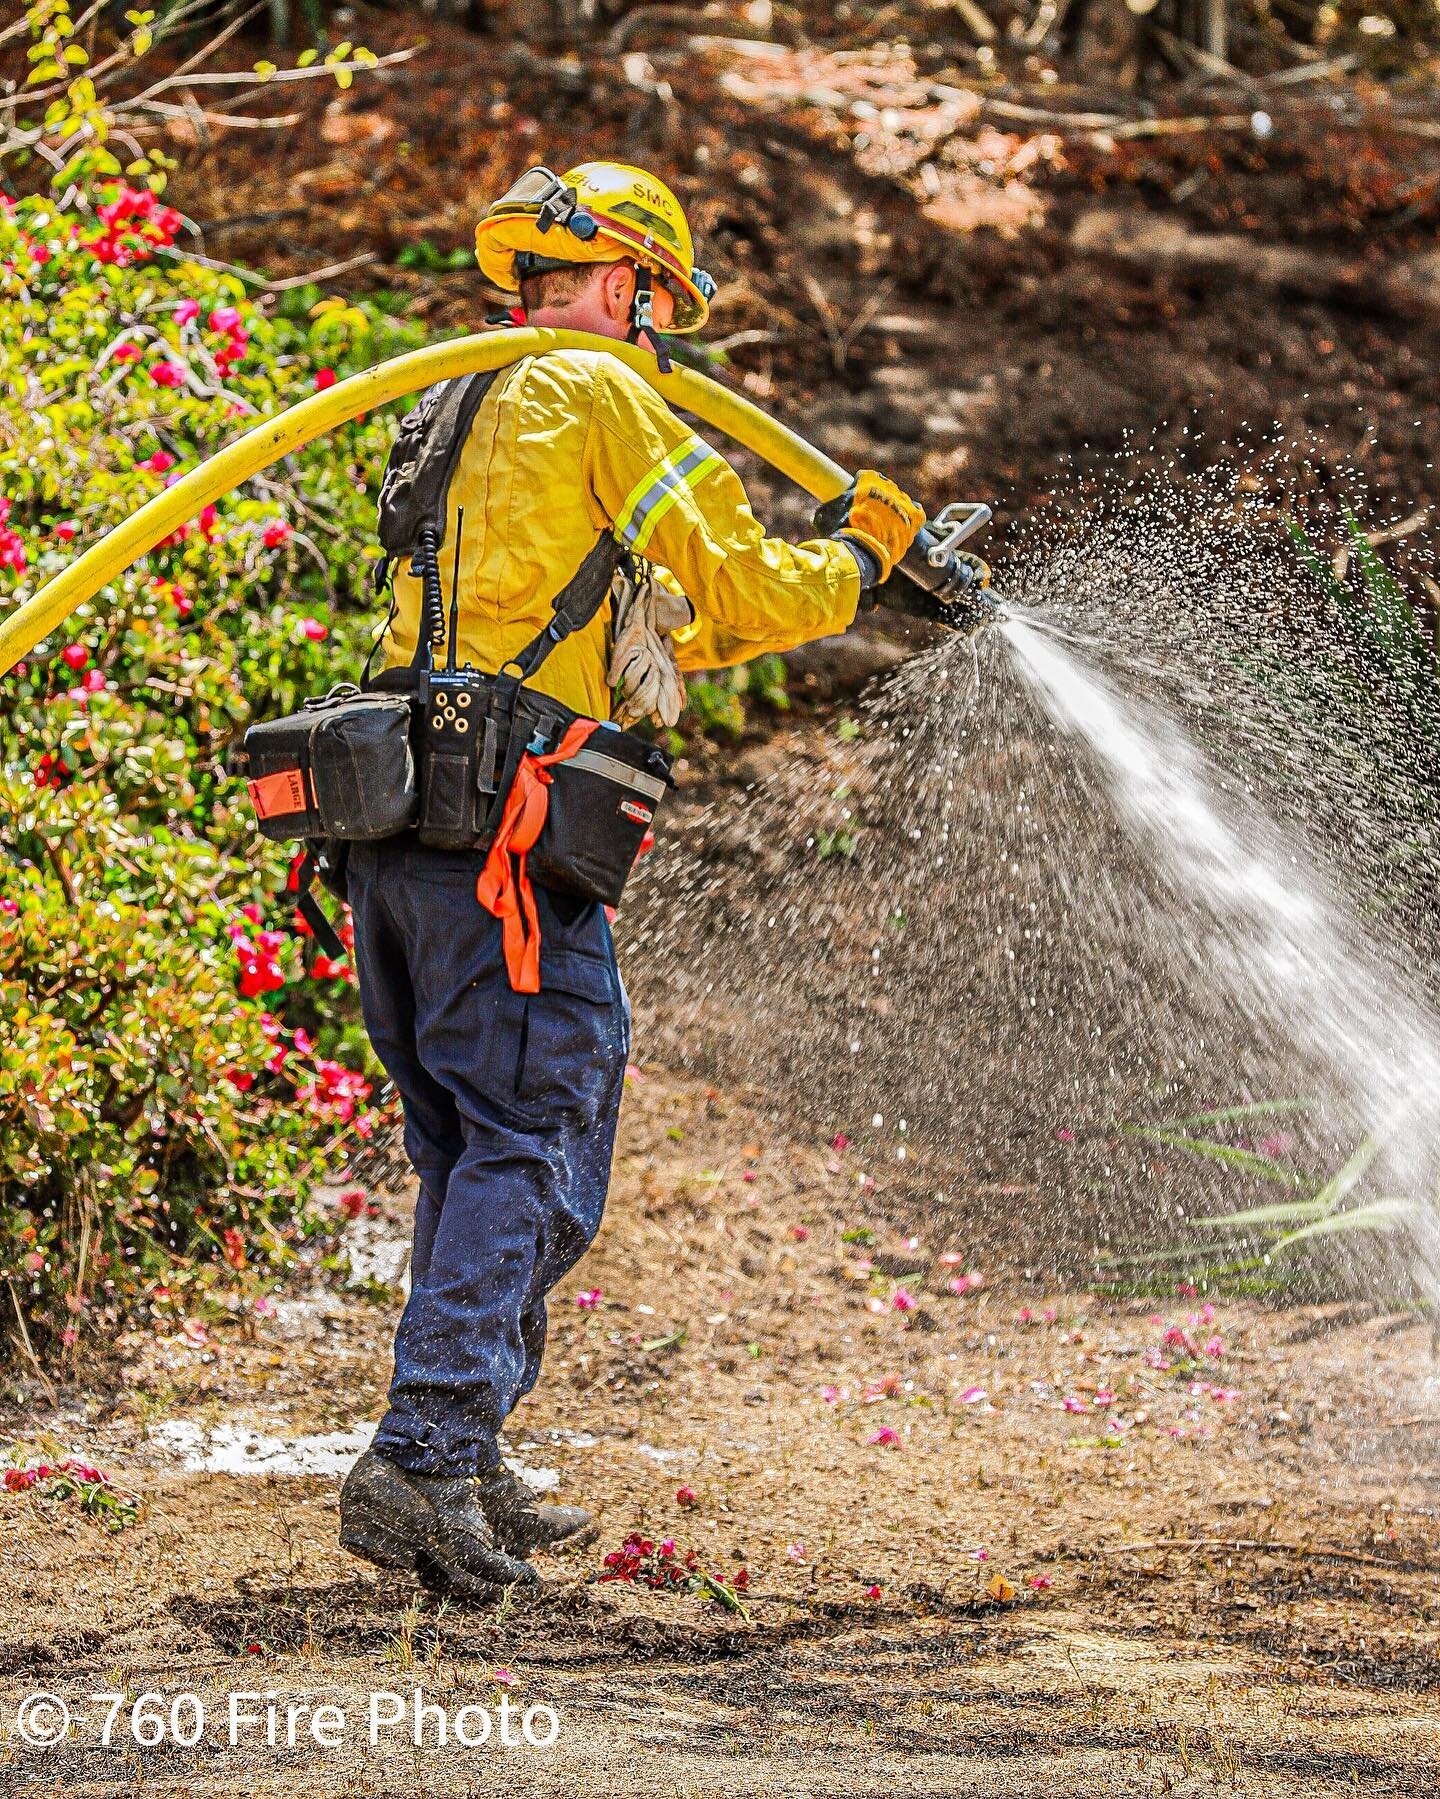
(542, 192)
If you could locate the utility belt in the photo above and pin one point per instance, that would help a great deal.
(463, 759)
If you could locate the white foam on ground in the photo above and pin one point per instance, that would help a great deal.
(235, 1449)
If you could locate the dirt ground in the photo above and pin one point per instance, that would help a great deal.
(1219, 1574)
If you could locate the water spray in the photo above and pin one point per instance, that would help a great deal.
(935, 581)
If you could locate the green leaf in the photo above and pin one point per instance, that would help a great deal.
(1378, 1215)
(1264, 1215)
(1223, 1153)
(1339, 1185)
(1263, 1108)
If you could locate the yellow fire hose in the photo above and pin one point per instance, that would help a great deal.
(267, 442)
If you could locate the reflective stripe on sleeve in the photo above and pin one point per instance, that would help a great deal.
(657, 490)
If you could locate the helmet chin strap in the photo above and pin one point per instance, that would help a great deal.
(642, 318)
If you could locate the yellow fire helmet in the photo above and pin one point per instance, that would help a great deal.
(596, 212)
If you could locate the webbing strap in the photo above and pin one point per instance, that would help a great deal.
(311, 911)
(575, 605)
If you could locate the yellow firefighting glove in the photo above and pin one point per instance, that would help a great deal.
(878, 516)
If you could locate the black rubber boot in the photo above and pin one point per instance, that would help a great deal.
(520, 1522)
(432, 1523)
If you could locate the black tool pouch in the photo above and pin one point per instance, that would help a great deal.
(342, 766)
(603, 802)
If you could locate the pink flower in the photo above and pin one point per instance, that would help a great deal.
(94, 681)
(74, 655)
(1214, 1347)
(839, 1141)
(1065, 1135)
(259, 974)
(127, 352)
(873, 1590)
(187, 312)
(67, 530)
(1278, 1143)
(241, 1079)
(685, 1497)
(224, 318)
(159, 463)
(12, 550)
(799, 1232)
(1073, 1403)
(884, 1438)
(965, 1283)
(972, 1396)
(797, 1552)
(831, 1395)
(325, 378)
(276, 533)
(951, 1258)
(748, 1175)
(902, 1300)
(1175, 1338)
(1040, 1582)
(207, 521)
(168, 374)
(589, 1301)
(503, 1677)
(9, 908)
(304, 1042)
(1103, 1396)
(980, 1555)
(313, 631)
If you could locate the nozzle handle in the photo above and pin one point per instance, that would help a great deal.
(933, 581)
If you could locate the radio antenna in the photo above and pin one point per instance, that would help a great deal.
(455, 591)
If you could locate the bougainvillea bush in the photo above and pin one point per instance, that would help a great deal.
(178, 1063)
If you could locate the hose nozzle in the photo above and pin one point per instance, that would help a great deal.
(940, 581)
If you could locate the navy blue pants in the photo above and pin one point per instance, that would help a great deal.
(510, 1107)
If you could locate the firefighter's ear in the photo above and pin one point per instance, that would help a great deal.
(617, 291)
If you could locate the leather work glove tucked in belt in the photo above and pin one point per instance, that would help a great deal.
(643, 670)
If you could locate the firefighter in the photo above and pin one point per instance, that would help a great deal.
(511, 1099)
